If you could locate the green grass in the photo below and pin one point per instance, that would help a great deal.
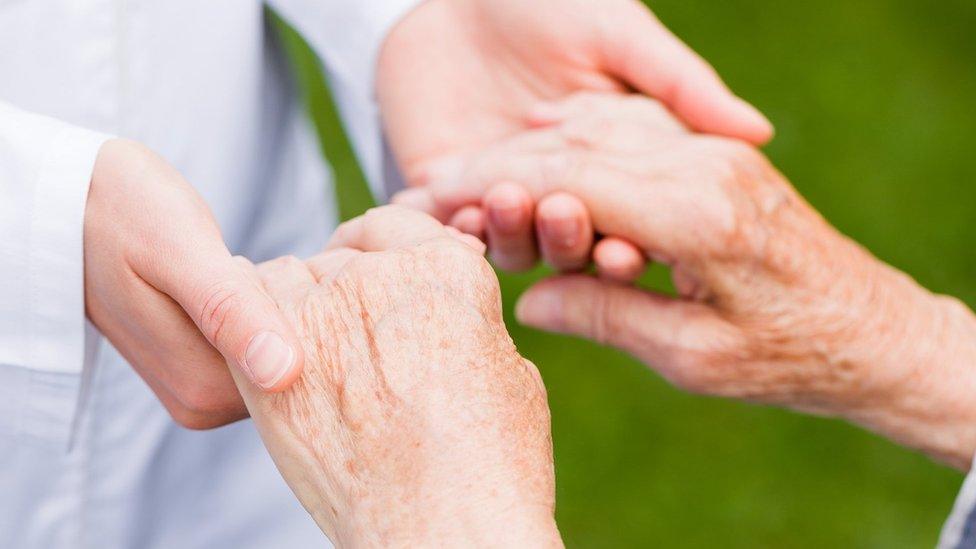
(874, 105)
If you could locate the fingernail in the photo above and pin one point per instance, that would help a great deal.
(563, 232)
(268, 359)
(539, 309)
(506, 219)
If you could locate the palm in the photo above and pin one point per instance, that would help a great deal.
(458, 75)
(448, 92)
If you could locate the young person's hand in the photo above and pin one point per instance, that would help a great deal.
(162, 287)
(458, 75)
(415, 423)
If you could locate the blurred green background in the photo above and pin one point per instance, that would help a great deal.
(875, 107)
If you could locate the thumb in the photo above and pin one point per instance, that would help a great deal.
(235, 314)
(648, 57)
(657, 329)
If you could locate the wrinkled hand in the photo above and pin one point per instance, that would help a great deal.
(458, 75)
(162, 287)
(774, 304)
(415, 422)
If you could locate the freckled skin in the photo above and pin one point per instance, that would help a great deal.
(415, 422)
(775, 305)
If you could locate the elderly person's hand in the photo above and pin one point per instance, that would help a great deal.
(774, 304)
(415, 422)
(458, 75)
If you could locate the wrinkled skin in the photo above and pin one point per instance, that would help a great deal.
(774, 304)
(415, 422)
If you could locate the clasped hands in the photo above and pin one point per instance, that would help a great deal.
(416, 422)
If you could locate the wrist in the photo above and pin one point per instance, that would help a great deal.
(482, 524)
(917, 369)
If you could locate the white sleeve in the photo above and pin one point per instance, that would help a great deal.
(45, 170)
(347, 36)
(959, 530)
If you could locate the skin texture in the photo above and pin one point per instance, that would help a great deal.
(415, 421)
(162, 287)
(774, 305)
(458, 75)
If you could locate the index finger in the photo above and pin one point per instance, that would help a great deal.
(385, 228)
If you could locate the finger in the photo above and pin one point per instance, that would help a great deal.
(618, 260)
(231, 310)
(470, 220)
(564, 231)
(651, 59)
(649, 207)
(385, 228)
(587, 108)
(468, 240)
(618, 203)
(661, 331)
(327, 265)
(511, 241)
(284, 277)
(420, 200)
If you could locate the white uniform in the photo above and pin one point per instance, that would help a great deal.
(88, 456)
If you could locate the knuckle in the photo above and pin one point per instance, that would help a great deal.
(290, 262)
(456, 256)
(284, 262)
(378, 212)
(343, 230)
(390, 211)
(242, 261)
(459, 266)
(388, 218)
(280, 266)
(734, 219)
(221, 305)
